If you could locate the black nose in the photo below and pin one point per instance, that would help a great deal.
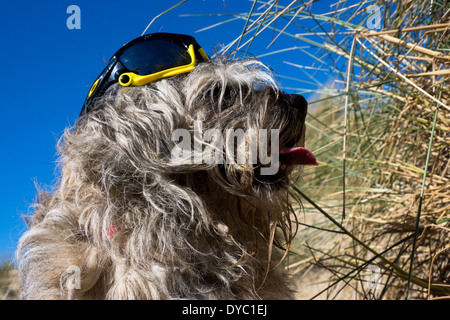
(295, 100)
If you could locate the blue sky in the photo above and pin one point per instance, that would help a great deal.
(47, 70)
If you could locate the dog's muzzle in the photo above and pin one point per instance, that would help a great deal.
(296, 155)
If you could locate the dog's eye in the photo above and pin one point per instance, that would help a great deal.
(223, 97)
(219, 91)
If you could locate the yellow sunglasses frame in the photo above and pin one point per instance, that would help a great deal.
(137, 80)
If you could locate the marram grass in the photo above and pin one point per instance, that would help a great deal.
(380, 127)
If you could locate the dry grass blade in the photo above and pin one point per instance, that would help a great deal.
(431, 73)
(412, 46)
(344, 144)
(164, 12)
(371, 33)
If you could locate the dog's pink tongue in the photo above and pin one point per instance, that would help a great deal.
(297, 156)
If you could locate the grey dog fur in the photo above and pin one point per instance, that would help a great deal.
(182, 231)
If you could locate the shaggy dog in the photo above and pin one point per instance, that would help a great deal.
(128, 220)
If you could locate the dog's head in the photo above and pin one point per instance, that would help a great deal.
(260, 128)
(225, 122)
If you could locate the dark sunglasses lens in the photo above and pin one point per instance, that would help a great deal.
(150, 56)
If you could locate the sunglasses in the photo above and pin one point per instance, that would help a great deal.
(147, 59)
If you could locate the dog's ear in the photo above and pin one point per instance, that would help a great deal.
(134, 126)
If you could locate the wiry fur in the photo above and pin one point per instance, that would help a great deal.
(195, 231)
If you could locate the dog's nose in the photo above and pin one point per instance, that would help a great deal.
(296, 101)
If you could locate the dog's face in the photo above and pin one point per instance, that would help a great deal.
(225, 123)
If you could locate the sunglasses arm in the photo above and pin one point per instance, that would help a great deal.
(132, 79)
